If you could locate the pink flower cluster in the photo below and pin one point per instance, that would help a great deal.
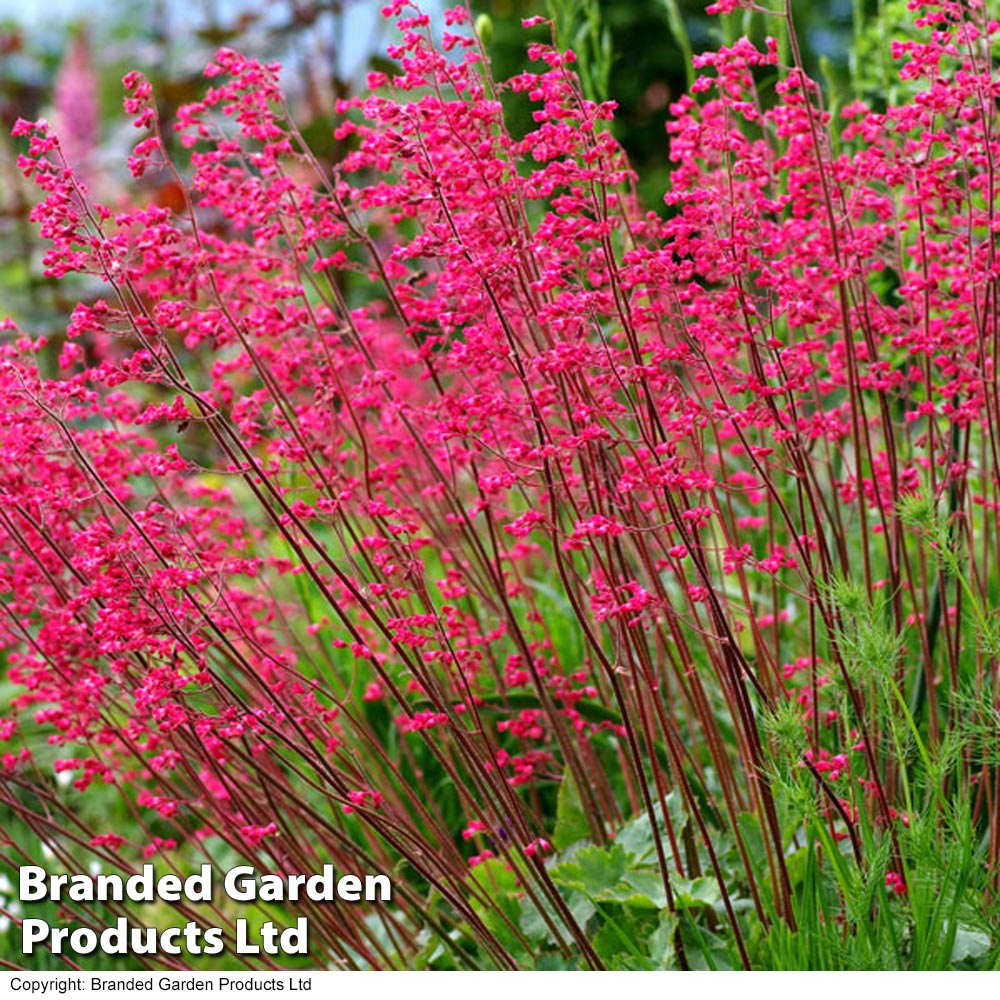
(334, 438)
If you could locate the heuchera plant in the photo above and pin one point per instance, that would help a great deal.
(622, 583)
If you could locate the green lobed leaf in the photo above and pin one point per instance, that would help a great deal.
(592, 870)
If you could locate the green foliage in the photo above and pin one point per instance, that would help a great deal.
(616, 892)
(579, 26)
